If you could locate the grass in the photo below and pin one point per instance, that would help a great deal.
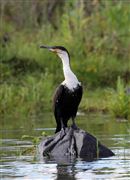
(120, 103)
(29, 97)
(99, 50)
(108, 100)
(95, 101)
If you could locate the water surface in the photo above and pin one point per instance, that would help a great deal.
(15, 165)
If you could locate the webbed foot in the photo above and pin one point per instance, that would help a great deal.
(62, 132)
(74, 126)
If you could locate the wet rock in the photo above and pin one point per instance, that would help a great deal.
(73, 143)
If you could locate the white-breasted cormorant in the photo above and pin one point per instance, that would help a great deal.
(69, 93)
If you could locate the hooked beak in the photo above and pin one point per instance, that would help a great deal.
(48, 47)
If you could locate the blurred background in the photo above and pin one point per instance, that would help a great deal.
(95, 32)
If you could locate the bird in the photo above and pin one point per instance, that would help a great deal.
(68, 94)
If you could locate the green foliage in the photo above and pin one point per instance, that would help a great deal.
(95, 101)
(120, 101)
(97, 39)
(29, 97)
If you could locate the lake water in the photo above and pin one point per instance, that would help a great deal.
(112, 133)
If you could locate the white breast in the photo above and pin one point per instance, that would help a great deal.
(71, 83)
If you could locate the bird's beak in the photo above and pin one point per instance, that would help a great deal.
(49, 48)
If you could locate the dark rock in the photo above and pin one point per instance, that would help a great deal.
(73, 143)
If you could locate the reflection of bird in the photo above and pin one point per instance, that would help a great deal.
(69, 93)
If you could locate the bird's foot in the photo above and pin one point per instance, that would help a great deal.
(62, 132)
(74, 126)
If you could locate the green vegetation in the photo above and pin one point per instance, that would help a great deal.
(34, 139)
(97, 36)
(120, 101)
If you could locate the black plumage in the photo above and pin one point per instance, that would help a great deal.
(66, 104)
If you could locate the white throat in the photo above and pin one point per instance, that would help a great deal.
(71, 80)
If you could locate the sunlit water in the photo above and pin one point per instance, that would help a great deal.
(113, 134)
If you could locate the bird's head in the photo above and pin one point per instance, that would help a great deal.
(59, 50)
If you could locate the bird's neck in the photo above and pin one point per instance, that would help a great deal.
(71, 80)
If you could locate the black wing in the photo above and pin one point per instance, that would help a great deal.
(57, 101)
(58, 96)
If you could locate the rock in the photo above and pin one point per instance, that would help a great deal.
(73, 143)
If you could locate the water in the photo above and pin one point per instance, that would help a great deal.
(15, 165)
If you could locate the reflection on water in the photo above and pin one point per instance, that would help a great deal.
(113, 134)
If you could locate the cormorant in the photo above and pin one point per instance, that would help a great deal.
(69, 93)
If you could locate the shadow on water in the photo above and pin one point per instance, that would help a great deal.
(14, 164)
